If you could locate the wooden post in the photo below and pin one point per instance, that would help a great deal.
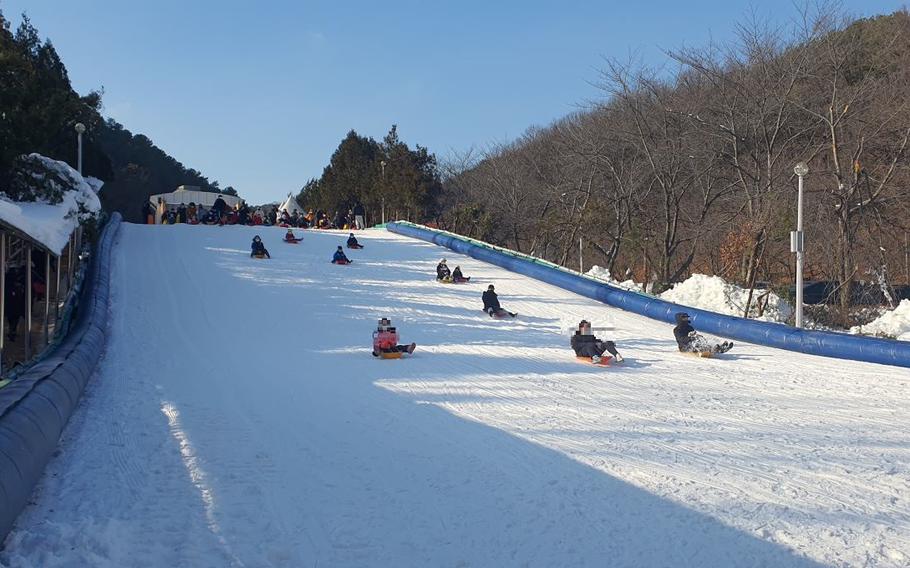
(47, 296)
(28, 301)
(2, 291)
(57, 293)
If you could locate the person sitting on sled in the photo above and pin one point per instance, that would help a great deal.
(352, 242)
(457, 277)
(491, 304)
(586, 345)
(258, 249)
(442, 271)
(689, 341)
(290, 238)
(385, 340)
(339, 257)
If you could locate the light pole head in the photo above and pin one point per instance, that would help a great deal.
(801, 169)
(80, 128)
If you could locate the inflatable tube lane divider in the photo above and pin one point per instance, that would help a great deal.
(824, 343)
(35, 406)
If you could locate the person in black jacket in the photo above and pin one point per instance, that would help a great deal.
(491, 304)
(220, 206)
(352, 242)
(358, 215)
(442, 271)
(585, 344)
(458, 277)
(258, 249)
(689, 341)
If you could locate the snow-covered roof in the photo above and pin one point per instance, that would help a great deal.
(51, 225)
(290, 205)
(186, 197)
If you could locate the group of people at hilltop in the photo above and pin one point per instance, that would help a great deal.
(220, 213)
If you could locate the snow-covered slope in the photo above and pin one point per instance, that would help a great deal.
(238, 419)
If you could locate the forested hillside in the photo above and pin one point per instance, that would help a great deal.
(39, 108)
(691, 170)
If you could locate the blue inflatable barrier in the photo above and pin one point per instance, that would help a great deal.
(36, 405)
(828, 344)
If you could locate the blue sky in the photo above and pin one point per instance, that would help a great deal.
(258, 94)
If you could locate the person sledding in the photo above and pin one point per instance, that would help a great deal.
(290, 238)
(258, 249)
(585, 344)
(491, 304)
(385, 341)
(690, 341)
(339, 257)
(443, 274)
(352, 242)
(458, 277)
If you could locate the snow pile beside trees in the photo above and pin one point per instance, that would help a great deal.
(48, 199)
(713, 293)
(894, 323)
(603, 274)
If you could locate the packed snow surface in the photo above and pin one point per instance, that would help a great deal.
(238, 419)
(52, 225)
(893, 323)
(715, 294)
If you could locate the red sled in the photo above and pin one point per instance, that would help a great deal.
(355, 246)
(342, 262)
(604, 361)
(292, 241)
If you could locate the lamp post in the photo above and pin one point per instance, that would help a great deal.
(80, 128)
(382, 194)
(797, 243)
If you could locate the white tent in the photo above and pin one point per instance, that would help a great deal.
(290, 205)
(187, 196)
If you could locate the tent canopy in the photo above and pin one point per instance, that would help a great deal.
(290, 205)
(187, 196)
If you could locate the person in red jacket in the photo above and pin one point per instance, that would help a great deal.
(290, 238)
(385, 340)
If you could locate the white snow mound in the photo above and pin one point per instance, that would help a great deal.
(714, 294)
(893, 323)
(601, 273)
(51, 225)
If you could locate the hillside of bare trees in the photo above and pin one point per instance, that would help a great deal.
(692, 171)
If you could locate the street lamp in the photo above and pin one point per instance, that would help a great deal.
(80, 129)
(382, 193)
(797, 244)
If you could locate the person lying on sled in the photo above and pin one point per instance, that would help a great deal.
(258, 249)
(491, 304)
(457, 277)
(585, 344)
(352, 242)
(339, 257)
(385, 340)
(690, 341)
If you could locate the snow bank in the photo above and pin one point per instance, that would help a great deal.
(601, 273)
(51, 225)
(894, 323)
(713, 293)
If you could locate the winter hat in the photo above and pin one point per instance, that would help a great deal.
(682, 317)
(256, 238)
(490, 287)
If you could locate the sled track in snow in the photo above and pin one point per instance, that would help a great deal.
(239, 419)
